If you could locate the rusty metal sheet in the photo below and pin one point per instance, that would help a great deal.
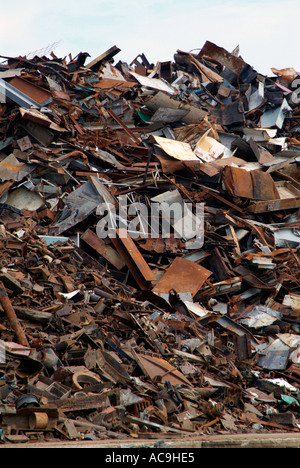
(171, 165)
(38, 117)
(38, 94)
(159, 368)
(109, 83)
(207, 74)
(222, 56)
(254, 185)
(184, 276)
(161, 245)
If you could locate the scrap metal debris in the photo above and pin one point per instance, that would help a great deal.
(135, 334)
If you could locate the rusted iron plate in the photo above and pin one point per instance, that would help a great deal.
(184, 276)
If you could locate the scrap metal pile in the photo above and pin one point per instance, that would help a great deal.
(148, 336)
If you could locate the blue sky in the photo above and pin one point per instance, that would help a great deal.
(267, 31)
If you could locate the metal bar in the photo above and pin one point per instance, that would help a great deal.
(103, 249)
(12, 317)
(147, 167)
(125, 128)
(133, 259)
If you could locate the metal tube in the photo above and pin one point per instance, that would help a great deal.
(38, 421)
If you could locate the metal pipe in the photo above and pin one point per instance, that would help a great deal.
(11, 316)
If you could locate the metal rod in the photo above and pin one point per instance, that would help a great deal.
(147, 166)
(11, 316)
